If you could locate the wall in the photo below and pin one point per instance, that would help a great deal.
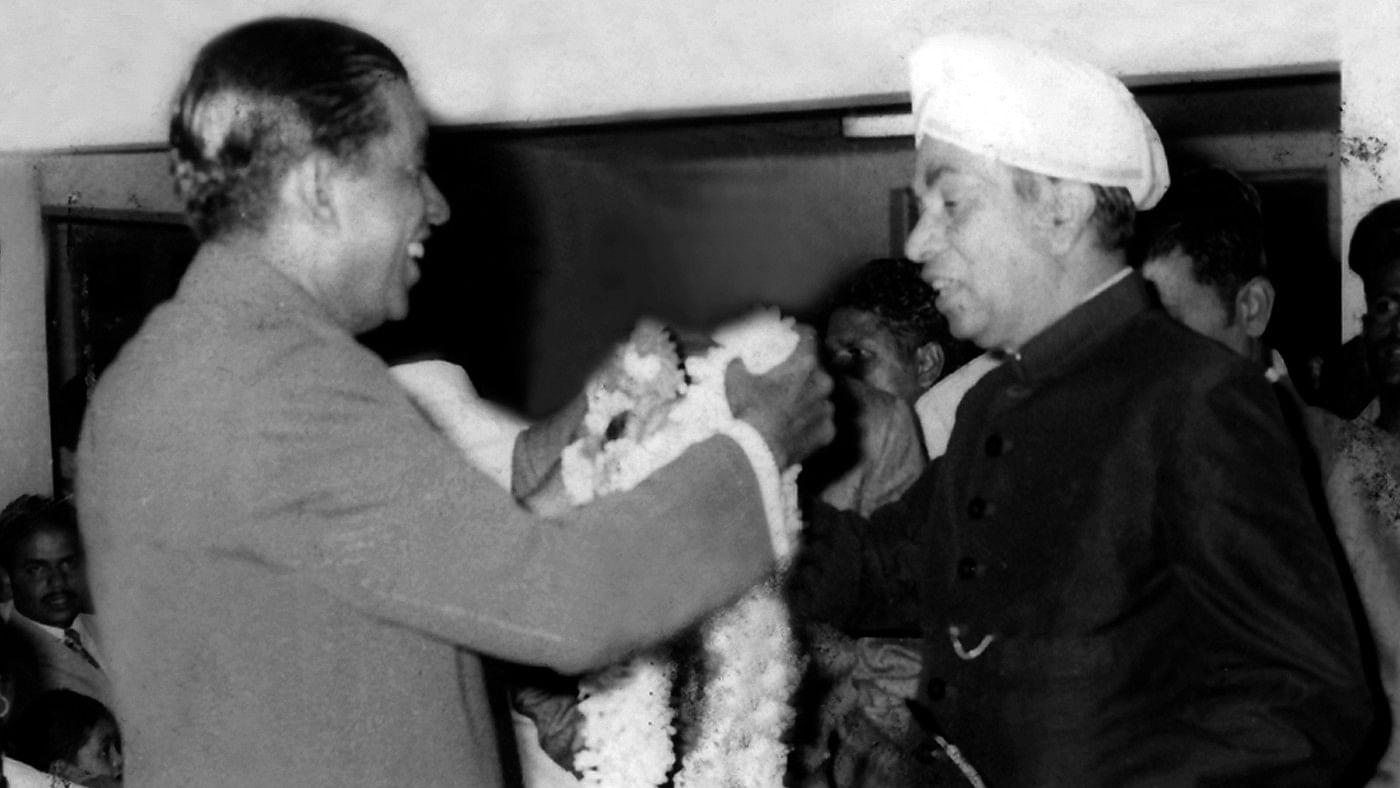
(102, 73)
(24, 427)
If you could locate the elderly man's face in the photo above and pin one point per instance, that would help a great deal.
(388, 210)
(1382, 325)
(1195, 305)
(47, 576)
(980, 248)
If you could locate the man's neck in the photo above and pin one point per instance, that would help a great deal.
(1081, 282)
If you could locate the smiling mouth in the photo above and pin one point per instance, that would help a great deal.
(943, 288)
(60, 600)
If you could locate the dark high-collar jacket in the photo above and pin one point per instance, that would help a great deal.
(1116, 568)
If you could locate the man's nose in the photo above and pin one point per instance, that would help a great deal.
(61, 579)
(927, 239)
(438, 211)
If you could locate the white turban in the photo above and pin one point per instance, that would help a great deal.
(1036, 110)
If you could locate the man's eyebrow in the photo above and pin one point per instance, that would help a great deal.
(929, 178)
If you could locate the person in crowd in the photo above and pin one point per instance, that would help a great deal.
(42, 554)
(1207, 263)
(1373, 255)
(1360, 464)
(1206, 260)
(886, 345)
(71, 736)
(292, 553)
(1115, 566)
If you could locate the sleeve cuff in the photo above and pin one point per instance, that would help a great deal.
(778, 489)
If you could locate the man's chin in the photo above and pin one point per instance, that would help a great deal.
(60, 619)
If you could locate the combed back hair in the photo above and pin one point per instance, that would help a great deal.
(1224, 256)
(258, 99)
(27, 514)
(1215, 218)
(55, 725)
(1375, 244)
(1114, 211)
(891, 289)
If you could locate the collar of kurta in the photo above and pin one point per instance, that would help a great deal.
(1076, 335)
(229, 275)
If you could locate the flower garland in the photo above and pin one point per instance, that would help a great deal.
(642, 414)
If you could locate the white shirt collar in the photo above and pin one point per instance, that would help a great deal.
(57, 632)
(1107, 283)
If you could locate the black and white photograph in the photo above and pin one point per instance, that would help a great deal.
(706, 394)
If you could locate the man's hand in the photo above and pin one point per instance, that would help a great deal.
(790, 406)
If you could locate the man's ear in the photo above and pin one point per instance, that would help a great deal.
(928, 364)
(309, 189)
(1254, 305)
(1065, 209)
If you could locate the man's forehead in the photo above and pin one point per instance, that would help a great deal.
(407, 119)
(938, 161)
(48, 537)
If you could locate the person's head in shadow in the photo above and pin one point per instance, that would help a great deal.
(72, 736)
(1374, 255)
(883, 329)
(885, 344)
(1207, 261)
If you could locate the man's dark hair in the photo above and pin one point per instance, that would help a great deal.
(891, 289)
(27, 514)
(261, 97)
(1375, 244)
(1224, 256)
(55, 725)
(1213, 217)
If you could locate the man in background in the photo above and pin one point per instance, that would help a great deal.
(291, 552)
(1208, 266)
(885, 344)
(42, 555)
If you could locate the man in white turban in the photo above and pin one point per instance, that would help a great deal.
(1116, 567)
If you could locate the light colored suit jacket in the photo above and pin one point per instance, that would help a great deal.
(57, 666)
(289, 554)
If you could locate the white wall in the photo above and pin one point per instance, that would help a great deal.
(113, 181)
(102, 73)
(24, 423)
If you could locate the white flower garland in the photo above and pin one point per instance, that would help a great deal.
(642, 415)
